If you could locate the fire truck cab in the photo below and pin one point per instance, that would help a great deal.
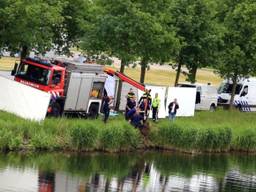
(75, 88)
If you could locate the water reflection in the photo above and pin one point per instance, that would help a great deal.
(126, 172)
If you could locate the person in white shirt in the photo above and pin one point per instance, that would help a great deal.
(173, 107)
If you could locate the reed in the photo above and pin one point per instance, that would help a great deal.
(206, 132)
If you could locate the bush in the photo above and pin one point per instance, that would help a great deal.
(84, 135)
(171, 135)
(42, 141)
(8, 140)
(119, 137)
(132, 136)
(246, 141)
(112, 138)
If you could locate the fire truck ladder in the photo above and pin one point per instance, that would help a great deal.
(125, 78)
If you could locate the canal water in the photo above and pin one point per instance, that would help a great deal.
(151, 171)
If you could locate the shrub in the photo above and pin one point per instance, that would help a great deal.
(42, 141)
(131, 136)
(112, 138)
(169, 134)
(84, 135)
(246, 141)
(9, 141)
(190, 138)
(213, 139)
(117, 137)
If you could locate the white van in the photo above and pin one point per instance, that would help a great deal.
(245, 94)
(206, 95)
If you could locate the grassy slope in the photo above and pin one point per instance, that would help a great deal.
(220, 131)
(154, 76)
(241, 124)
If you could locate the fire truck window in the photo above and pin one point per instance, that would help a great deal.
(33, 73)
(97, 90)
(56, 77)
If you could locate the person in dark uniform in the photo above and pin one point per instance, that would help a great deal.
(136, 119)
(130, 94)
(131, 104)
(106, 109)
(146, 101)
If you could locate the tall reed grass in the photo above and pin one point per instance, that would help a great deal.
(66, 134)
(206, 132)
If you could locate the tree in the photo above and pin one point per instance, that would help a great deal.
(155, 39)
(131, 30)
(197, 30)
(110, 31)
(76, 15)
(29, 24)
(2, 22)
(238, 54)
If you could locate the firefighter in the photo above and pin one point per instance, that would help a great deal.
(145, 103)
(155, 107)
(107, 100)
(130, 105)
(130, 94)
(136, 119)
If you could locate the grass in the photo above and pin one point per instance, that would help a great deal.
(220, 131)
(164, 76)
(7, 63)
(66, 134)
(167, 77)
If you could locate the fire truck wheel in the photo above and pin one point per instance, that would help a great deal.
(93, 110)
(56, 110)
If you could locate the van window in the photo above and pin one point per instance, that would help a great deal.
(198, 94)
(227, 88)
(245, 91)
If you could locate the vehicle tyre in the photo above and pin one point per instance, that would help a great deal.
(239, 107)
(212, 108)
(56, 110)
(93, 110)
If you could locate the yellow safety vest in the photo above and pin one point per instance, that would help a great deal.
(156, 102)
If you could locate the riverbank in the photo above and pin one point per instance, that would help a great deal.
(221, 131)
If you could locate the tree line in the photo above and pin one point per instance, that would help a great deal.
(192, 33)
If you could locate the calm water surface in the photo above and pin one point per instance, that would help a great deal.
(127, 172)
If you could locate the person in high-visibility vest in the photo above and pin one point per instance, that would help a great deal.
(155, 107)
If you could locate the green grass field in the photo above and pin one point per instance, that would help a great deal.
(221, 131)
(218, 125)
(153, 76)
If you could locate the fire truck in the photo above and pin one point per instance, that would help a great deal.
(75, 88)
